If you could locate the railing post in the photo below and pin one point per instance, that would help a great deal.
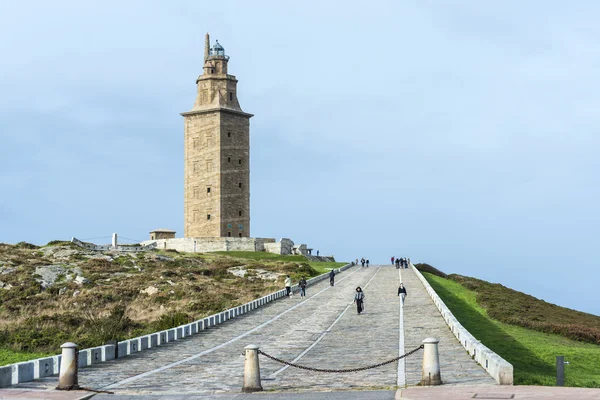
(251, 370)
(431, 363)
(67, 379)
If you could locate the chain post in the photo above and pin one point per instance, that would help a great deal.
(68, 367)
(251, 370)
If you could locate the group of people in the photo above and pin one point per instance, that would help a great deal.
(400, 262)
(363, 262)
(359, 296)
(302, 284)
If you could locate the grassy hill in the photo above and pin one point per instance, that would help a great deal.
(528, 332)
(60, 292)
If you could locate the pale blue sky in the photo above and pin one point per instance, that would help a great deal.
(464, 134)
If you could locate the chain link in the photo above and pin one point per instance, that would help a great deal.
(340, 370)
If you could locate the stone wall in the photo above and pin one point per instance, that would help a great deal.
(284, 246)
(209, 244)
(144, 246)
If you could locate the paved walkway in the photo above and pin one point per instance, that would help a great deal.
(322, 330)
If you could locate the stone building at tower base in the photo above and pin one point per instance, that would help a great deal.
(209, 244)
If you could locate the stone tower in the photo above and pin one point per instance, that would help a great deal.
(216, 154)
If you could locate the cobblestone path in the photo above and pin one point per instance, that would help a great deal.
(322, 330)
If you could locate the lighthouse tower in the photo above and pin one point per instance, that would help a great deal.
(216, 154)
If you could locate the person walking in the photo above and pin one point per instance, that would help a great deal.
(362, 261)
(302, 285)
(367, 263)
(397, 263)
(392, 260)
(359, 298)
(288, 286)
(402, 292)
(407, 262)
(331, 277)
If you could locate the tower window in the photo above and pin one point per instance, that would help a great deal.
(228, 159)
(240, 185)
(207, 216)
(240, 227)
(228, 134)
(230, 96)
(207, 190)
(240, 161)
(229, 234)
(240, 234)
(239, 213)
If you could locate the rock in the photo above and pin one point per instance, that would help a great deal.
(150, 290)
(7, 270)
(159, 257)
(62, 291)
(170, 283)
(238, 271)
(5, 286)
(80, 280)
(100, 257)
(65, 253)
(76, 293)
(49, 274)
(254, 273)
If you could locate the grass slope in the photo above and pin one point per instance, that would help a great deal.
(36, 319)
(532, 353)
(320, 267)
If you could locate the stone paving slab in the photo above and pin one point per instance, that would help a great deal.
(498, 392)
(27, 394)
(422, 319)
(337, 395)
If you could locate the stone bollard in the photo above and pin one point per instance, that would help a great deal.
(67, 379)
(251, 370)
(431, 363)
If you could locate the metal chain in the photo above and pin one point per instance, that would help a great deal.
(340, 370)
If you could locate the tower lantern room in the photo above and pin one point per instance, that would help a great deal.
(215, 60)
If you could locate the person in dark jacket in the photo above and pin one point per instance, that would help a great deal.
(402, 292)
(302, 285)
(331, 277)
(359, 297)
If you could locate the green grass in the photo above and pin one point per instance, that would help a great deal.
(323, 267)
(531, 353)
(11, 357)
(260, 256)
(320, 267)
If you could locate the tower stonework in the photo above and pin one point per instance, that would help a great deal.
(216, 154)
